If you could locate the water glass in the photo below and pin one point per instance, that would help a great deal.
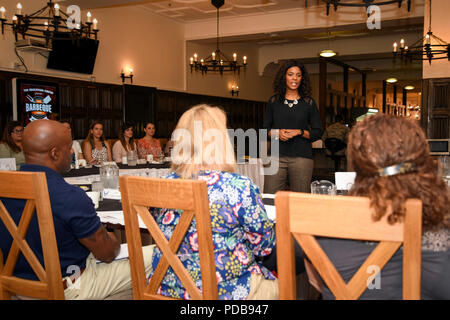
(132, 158)
(109, 175)
(323, 187)
(98, 186)
(444, 168)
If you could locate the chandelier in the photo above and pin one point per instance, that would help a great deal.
(363, 3)
(217, 61)
(48, 23)
(429, 47)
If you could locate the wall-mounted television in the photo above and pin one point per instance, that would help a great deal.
(73, 55)
(33, 100)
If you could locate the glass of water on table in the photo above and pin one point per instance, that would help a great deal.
(97, 186)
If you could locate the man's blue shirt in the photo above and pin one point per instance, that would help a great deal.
(74, 218)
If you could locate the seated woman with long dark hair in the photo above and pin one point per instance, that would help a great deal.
(392, 161)
(148, 145)
(95, 148)
(125, 143)
(11, 144)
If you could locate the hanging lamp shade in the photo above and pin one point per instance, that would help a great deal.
(327, 53)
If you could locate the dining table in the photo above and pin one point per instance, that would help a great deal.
(109, 209)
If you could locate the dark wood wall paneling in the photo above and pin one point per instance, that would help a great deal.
(83, 101)
(242, 114)
(435, 118)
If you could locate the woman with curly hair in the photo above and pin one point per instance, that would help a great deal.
(11, 143)
(293, 119)
(392, 161)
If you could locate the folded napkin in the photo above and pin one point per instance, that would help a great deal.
(113, 194)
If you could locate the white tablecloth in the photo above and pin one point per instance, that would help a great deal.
(252, 169)
(116, 217)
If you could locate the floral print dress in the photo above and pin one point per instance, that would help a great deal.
(145, 147)
(241, 231)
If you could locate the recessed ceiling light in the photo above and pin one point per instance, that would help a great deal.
(327, 53)
(391, 80)
(409, 88)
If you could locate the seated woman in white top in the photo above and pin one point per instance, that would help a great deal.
(125, 143)
(77, 152)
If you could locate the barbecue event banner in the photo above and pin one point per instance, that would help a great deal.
(37, 100)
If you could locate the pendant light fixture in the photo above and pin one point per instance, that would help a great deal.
(430, 47)
(217, 61)
(328, 53)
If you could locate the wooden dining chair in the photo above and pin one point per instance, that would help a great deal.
(138, 194)
(32, 187)
(303, 216)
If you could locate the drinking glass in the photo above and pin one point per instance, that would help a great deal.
(98, 186)
(161, 157)
(444, 168)
(323, 187)
(109, 175)
(132, 158)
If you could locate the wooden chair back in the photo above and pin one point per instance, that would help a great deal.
(138, 194)
(302, 216)
(32, 187)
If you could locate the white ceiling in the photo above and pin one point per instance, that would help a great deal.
(186, 11)
(191, 11)
(195, 10)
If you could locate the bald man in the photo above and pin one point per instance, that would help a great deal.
(80, 236)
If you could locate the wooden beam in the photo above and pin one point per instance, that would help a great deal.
(364, 88)
(346, 85)
(395, 93)
(405, 93)
(322, 89)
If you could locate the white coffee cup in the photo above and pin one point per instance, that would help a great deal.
(124, 160)
(80, 163)
(95, 196)
(149, 158)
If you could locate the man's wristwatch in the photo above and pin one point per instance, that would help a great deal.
(301, 132)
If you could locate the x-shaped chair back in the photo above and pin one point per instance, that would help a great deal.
(32, 187)
(138, 194)
(303, 216)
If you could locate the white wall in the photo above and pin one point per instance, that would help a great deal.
(251, 85)
(150, 44)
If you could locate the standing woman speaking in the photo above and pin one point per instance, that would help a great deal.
(293, 118)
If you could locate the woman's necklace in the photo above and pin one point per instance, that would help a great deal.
(291, 104)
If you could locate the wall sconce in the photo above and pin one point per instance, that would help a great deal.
(234, 90)
(129, 76)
